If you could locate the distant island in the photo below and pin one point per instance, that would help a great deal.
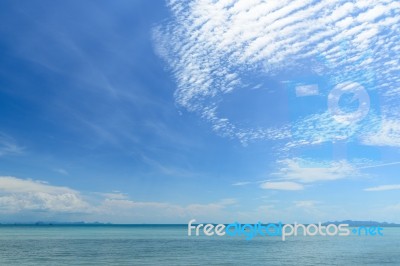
(349, 222)
(55, 223)
(363, 223)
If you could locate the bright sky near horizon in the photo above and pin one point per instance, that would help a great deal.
(222, 111)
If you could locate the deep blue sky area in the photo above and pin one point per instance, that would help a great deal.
(154, 111)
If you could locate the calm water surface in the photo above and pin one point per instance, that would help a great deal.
(170, 245)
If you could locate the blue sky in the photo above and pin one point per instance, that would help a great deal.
(139, 112)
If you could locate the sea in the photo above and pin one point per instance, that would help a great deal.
(171, 245)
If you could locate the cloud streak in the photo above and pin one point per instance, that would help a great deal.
(282, 186)
(309, 171)
(384, 188)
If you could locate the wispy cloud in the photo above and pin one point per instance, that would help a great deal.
(9, 146)
(166, 169)
(286, 185)
(378, 165)
(309, 171)
(305, 203)
(241, 183)
(384, 188)
(61, 171)
(306, 90)
(295, 173)
(319, 128)
(210, 46)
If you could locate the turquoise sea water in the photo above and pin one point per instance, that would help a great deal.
(170, 245)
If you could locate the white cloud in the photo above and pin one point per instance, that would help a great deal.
(372, 13)
(282, 186)
(114, 195)
(15, 185)
(18, 195)
(211, 45)
(306, 90)
(37, 200)
(384, 188)
(308, 171)
(318, 128)
(241, 183)
(388, 134)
